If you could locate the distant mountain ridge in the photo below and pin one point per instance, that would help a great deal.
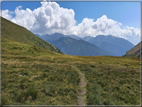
(135, 51)
(117, 46)
(73, 45)
(80, 47)
(56, 36)
(110, 45)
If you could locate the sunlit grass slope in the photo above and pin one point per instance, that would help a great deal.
(33, 75)
(20, 34)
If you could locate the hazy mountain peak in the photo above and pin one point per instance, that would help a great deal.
(115, 45)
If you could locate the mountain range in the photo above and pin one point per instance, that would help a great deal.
(80, 47)
(89, 46)
(73, 45)
(117, 46)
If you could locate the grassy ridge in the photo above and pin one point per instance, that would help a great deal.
(135, 51)
(13, 32)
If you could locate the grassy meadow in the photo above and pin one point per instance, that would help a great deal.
(35, 76)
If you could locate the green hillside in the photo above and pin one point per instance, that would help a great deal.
(20, 34)
(135, 51)
(33, 75)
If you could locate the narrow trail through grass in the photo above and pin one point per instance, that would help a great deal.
(81, 98)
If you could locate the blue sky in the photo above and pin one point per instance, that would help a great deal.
(126, 13)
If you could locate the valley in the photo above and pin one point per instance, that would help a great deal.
(35, 72)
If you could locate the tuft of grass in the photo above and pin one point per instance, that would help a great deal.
(28, 94)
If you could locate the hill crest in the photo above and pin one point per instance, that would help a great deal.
(14, 32)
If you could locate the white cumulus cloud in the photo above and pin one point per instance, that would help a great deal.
(104, 26)
(24, 17)
(47, 19)
(6, 14)
(50, 18)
